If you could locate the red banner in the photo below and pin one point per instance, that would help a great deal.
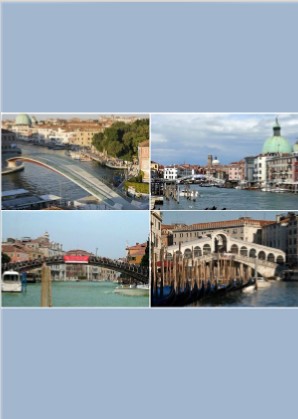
(76, 259)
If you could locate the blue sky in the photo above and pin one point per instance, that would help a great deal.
(109, 231)
(189, 138)
(192, 217)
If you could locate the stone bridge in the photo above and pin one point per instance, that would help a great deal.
(201, 177)
(81, 177)
(139, 273)
(265, 260)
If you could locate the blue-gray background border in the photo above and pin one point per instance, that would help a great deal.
(149, 58)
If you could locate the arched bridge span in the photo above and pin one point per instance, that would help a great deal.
(78, 175)
(139, 273)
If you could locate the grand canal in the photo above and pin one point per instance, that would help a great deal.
(233, 199)
(75, 294)
(41, 181)
(279, 294)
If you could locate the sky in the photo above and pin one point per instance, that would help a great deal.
(108, 231)
(192, 217)
(189, 138)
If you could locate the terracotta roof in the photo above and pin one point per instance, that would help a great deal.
(137, 246)
(224, 224)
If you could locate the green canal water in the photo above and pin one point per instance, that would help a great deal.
(75, 294)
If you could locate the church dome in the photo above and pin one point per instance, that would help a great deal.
(277, 143)
(23, 119)
(215, 161)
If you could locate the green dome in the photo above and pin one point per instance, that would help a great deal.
(23, 119)
(277, 143)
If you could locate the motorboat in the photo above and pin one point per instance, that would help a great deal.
(11, 282)
(133, 290)
(262, 282)
(189, 192)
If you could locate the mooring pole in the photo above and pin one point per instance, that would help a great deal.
(46, 287)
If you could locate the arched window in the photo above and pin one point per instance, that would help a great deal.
(262, 255)
(197, 252)
(206, 249)
(234, 249)
(243, 251)
(187, 253)
(252, 253)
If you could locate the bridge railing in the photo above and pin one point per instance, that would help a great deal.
(138, 271)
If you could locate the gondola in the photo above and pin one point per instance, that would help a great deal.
(166, 301)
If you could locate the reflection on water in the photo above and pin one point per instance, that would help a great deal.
(279, 294)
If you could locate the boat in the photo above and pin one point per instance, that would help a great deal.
(249, 286)
(189, 192)
(11, 282)
(133, 290)
(262, 282)
(75, 155)
(120, 165)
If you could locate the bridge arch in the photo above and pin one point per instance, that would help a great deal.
(252, 253)
(197, 252)
(280, 259)
(94, 187)
(206, 249)
(134, 271)
(262, 255)
(187, 253)
(220, 242)
(243, 251)
(234, 249)
(270, 257)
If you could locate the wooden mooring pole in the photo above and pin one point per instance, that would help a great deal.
(46, 286)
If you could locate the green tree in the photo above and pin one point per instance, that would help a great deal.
(5, 258)
(145, 258)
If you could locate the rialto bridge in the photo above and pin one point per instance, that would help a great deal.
(262, 259)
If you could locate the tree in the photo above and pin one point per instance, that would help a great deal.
(5, 258)
(145, 258)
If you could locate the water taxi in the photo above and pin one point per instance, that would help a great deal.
(11, 282)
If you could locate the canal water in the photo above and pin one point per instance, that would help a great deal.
(42, 181)
(233, 199)
(279, 294)
(75, 294)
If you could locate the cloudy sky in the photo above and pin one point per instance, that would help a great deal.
(108, 231)
(189, 138)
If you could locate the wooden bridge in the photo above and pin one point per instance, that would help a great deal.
(139, 273)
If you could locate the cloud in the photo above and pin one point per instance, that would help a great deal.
(178, 138)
